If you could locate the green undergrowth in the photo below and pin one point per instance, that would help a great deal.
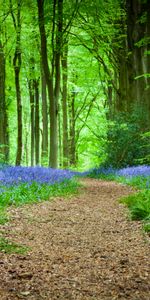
(100, 176)
(35, 192)
(10, 247)
(3, 216)
(139, 182)
(139, 202)
(139, 207)
(28, 194)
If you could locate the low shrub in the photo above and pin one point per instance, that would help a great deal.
(139, 205)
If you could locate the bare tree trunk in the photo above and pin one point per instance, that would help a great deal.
(57, 61)
(19, 116)
(37, 125)
(60, 139)
(32, 116)
(4, 137)
(49, 80)
(64, 106)
(17, 68)
(72, 130)
(44, 120)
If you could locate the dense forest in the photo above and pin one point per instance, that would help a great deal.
(74, 83)
(74, 149)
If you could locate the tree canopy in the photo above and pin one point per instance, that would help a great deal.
(74, 82)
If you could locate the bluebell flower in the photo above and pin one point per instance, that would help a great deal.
(12, 176)
(134, 171)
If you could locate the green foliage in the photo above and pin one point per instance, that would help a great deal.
(10, 247)
(139, 205)
(125, 144)
(3, 216)
(101, 176)
(146, 226)
(140, 182)
(146, 145)
(29, 194)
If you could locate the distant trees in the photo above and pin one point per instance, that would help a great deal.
(134, 68)
(4, 134)
(132, 97)
(67, 70)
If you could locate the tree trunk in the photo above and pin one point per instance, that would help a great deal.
(134, 86)
(37, 125)
(44, 120)
(57, 59)
(60, 139)
(72, 131)
(19, 117)
(64, 106)
(17, 68)
(4, 137)
(53, 161)
(32, 116)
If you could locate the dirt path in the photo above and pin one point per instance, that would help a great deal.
(82, 248)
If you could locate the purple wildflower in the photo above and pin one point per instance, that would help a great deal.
(134, 171)
(17, 175)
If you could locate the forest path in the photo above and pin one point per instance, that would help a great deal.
(81, 248)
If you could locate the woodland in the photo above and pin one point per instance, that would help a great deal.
(74, 149)
(74, 83)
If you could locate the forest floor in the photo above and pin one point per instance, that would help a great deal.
(81, 248)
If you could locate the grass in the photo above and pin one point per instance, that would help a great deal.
(3, 216)
(35, 192)
(10, 247)
(140, 182)
(28, 194)
(139, 205)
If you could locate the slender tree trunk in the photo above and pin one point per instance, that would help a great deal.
(17, 68)
(72, 131)
(19, 111)
(44, 119)
(4, 137)
(49, 80)
(64, 106)
(37, 125)
(110, 101)
(32, 116)
(58, 59)
(60, 139)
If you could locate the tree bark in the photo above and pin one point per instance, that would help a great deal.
(134, 86)
(32, 116)
(4, 136)
(72, 131)
(53, 161)
(37, 125)
(17, 68)
(44, 119)
(64, 105)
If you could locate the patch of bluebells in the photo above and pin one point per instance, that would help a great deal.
(138, 176)
(126, 172)
(134, 171)
(14, 176)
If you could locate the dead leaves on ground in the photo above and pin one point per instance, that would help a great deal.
(80, 249)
